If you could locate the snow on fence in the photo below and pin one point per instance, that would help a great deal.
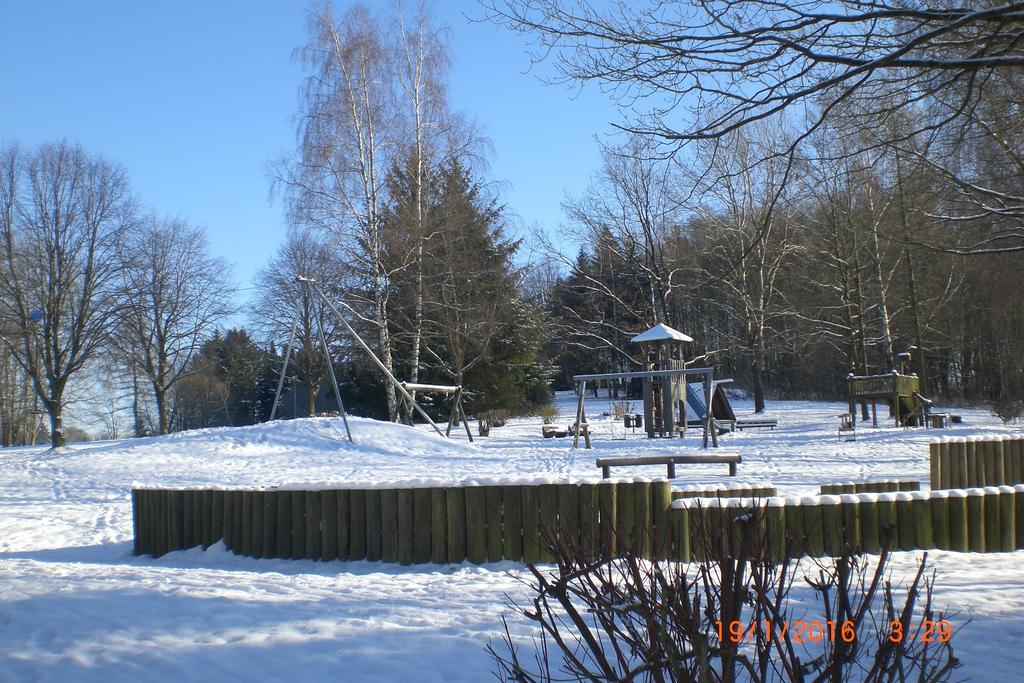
(725, 491)
(876, 486)
(484, 523)
(972, 520)
(958, 463)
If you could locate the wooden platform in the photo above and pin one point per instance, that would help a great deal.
(670, 462)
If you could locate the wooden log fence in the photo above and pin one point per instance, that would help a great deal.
(476, 523)
(989, 519)
(976, 505)
(976, 462)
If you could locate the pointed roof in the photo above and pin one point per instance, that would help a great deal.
(661, 332)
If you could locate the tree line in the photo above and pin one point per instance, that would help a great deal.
(796, 245)
(810, 191)
(387, 212)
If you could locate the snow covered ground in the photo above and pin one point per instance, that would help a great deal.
(75, 604)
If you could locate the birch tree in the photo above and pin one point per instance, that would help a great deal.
(345, 142)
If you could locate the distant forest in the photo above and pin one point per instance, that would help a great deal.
(878, 211)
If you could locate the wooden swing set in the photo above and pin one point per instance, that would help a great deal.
(406, 390)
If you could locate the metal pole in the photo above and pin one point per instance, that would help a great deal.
(334, 380)
(377, 361)
(284, 368)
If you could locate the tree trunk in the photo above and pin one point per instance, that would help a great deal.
(312, 390)
(139, 424)
(160, 396)
(55, 409)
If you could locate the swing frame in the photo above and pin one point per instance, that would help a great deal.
(310, 288)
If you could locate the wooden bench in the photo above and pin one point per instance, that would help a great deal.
(554, 431)
(756, 424)
(670, 462)
(938, 420)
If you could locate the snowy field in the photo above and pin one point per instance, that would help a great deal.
(75, 604)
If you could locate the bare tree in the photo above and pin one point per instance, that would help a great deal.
(708, 69)
(63, 216)
(746, 240)
(174, 295)
(731, 64)
(336, 183)
(423, 62)
(281, 297)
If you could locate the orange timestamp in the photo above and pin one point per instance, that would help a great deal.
(815, 631)
(928, 631)
(799, 630)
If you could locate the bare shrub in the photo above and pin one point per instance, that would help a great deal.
(732, 617)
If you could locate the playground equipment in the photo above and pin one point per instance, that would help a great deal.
(668, 396)
(907, 406)
(310, 290)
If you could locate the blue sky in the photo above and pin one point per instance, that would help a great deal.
(194, 99)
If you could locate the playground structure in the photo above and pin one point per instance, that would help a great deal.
(901, 393)
(661, 381)
(671, 401)
(310, 290)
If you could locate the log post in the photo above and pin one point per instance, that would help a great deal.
(958, 526)
(976, 520)
(405, 499)
(569, 517)
(888, 534)
(661, 501)
(256, 544)
(938, 503)
(423, 525)
(438, 526)
(476, 524)
(531, 524)
(868, 512)
(389, 525)
(329, 525)
(589, 518)
(625, 523)
(283, 527)
(796, 538)
(298, 525)
(1007, 519)
(607, 501)
(357, 524)
(343, 508)
(374, 526)
(493, 500)
(993, 522)
(548, 518)
(905, 521)
(512, 522)
(924, 530)
(643, 523)
(455, 509)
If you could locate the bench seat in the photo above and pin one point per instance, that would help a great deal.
(756, 424)
(670, 462)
